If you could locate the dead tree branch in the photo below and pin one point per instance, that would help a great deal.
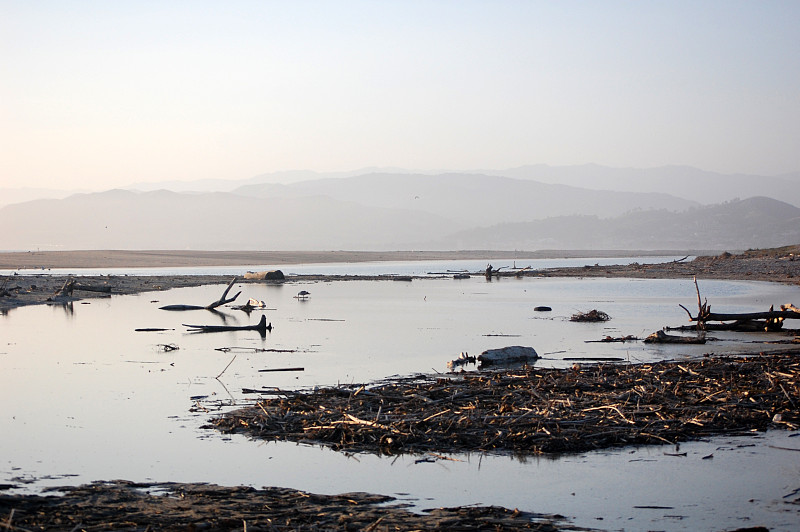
(211, 306)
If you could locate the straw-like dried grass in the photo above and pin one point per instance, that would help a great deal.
(534, 410)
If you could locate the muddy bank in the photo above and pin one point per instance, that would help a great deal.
(121, 505)
(780, 265)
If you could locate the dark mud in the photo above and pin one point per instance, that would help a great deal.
(121, 505)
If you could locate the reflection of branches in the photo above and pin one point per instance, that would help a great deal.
(222, 383)
(226, 367)
(262, 327)
(233, 399)
(223, 316)
(67, 306)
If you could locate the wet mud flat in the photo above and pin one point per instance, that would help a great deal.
(533, 410)
(121, 505)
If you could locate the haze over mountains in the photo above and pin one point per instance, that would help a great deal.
(531, 207)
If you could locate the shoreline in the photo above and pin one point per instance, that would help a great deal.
(32, 287)
(25, 260)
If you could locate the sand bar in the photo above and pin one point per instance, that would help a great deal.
(29, 285)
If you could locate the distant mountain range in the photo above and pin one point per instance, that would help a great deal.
(757, 222)
(681, 181)
(469, 199)
(684, 182)
(404, 211)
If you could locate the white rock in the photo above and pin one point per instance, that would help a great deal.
(507, 355)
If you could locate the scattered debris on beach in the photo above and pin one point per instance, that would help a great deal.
(536, 410)
(463, 359)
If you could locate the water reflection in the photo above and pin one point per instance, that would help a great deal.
(89, 390)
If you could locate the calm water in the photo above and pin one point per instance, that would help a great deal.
(87, 397)
(364, 268)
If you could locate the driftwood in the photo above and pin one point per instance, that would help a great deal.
(773, 319)
(105, 289)
(64, 294)
(787, 311)
(66, 290)
(70, 286)
(261, 327)
(660, 337)
(492, 272)
(609, 339)
(211, 306)
(735, 326)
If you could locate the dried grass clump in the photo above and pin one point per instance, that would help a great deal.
(532, 410)
(592, 315)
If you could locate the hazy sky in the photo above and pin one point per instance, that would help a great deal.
(99, 94)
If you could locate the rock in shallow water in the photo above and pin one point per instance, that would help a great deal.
(507, 355)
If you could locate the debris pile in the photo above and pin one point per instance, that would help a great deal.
(592, 315)
(536, 410)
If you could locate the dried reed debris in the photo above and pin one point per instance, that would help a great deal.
(535, 410)
(593, 315)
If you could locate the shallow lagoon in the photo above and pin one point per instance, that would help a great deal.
(88, 398)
